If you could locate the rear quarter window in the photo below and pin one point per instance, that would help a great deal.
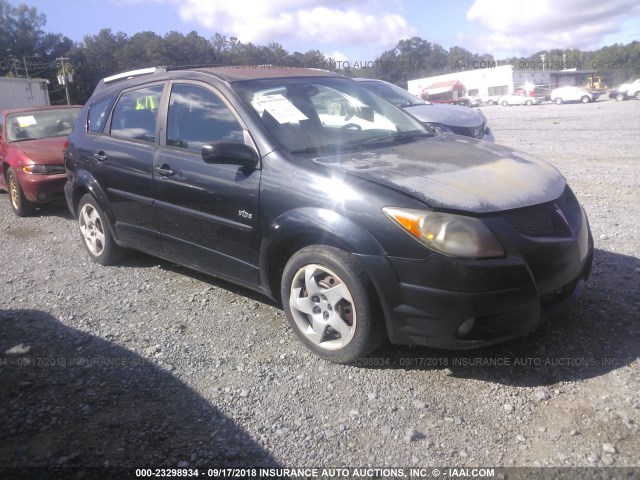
(98, 113)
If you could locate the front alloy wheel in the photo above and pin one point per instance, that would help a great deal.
(322, 307)
(327, 299)
(20, 205)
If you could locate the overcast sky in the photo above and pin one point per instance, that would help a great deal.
(360, 30)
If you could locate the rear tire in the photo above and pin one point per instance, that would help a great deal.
(528, 103)
(327, 298)
(490, 103)
(585, 99)
(19, 203)
(619, 97)
(96, 232)
(505, 103)
(558, 101)
(637, 95)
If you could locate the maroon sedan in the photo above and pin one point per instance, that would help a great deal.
(31, 151)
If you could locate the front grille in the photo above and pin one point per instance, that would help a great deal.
(474, 132)
(551, 219)
(533, 221)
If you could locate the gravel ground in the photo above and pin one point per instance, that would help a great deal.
(150, 364)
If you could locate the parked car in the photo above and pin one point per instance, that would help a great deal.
(330, 200)
(441, 118)
(619, 94)
(543, 92)
(519, 99)
(572, 94)
(634, 89)
(626, 90)
(471, 102)
(31, 154)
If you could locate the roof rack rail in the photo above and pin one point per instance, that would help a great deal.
(195, 65)
(133, 73)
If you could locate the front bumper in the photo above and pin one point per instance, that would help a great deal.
(455, 303)
(42, 188)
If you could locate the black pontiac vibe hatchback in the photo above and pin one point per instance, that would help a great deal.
(309, 188)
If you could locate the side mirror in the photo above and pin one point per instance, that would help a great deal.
(229, 153)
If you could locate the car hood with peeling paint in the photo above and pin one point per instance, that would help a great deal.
(453, 173)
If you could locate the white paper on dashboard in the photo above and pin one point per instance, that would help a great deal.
(27, 121)
(281, 109)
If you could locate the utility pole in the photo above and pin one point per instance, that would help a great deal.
(64, 78)
(24, 59)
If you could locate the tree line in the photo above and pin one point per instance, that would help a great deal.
(26, 50)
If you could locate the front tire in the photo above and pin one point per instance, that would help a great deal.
(585, 99)
(96, 233)
(505, 103)
(637, 95)
(619, 97)
(558, 101)
(528, 103)
(327, 298)
(19, 203)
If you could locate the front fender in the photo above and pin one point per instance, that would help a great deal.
(312, 226)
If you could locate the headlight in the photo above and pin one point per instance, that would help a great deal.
(439, 128)
(43, 169)
(449, 234)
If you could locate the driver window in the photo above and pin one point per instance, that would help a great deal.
(197, 116)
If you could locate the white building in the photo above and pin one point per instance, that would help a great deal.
(23, 92)
(491, 82)
(480, 82)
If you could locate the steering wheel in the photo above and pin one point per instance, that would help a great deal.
(353, 126)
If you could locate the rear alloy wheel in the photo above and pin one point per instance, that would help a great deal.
(327, 299)
(505, 103)
(558, 101)
(528, 103)
(95, 232)
(585, 99)
(490, 103)
(637, 95)
(20, 205)
(619, 97)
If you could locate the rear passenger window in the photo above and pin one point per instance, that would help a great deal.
(198, 116)
(98, 114)
(134, 116)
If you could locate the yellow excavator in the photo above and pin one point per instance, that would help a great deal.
(595, 83)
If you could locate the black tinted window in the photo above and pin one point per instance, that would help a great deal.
(134, 116)
(198, 116)
(98, 114)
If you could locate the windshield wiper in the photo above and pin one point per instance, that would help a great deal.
(395, 137)
(22, 140)
(332, 147)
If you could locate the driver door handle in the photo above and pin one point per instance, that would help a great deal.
(100, 156)
(164, 171)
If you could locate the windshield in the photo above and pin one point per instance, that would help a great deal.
(326, 115)
(394, 94)
(39, 124)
